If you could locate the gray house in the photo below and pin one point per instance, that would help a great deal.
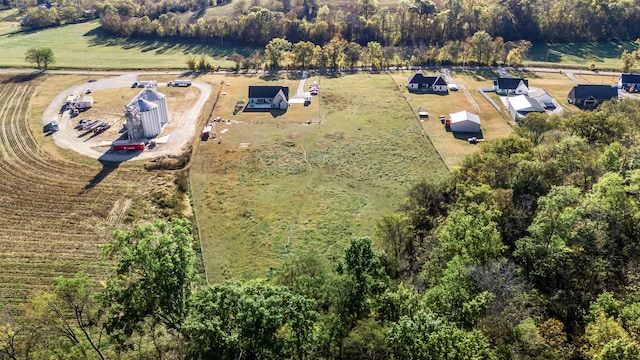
(589, 96)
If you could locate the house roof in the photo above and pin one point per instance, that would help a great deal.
(630, 78)
(267, 91)
(537, 93)
(511, 83)
(464, 116)
(525, 103)
(419, 78)
(599, 92)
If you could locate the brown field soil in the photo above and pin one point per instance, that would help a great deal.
(56, 212)
(306, 180)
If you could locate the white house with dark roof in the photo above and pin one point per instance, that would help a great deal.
(511, 86)
(418, 83)
(268, 97)
(629, 82)
(521, 105)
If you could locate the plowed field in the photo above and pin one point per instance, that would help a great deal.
(54, 214)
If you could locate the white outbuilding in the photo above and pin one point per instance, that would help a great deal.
(464, 121)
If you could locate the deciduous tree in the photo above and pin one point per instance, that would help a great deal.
(42, 57)
(153, 277)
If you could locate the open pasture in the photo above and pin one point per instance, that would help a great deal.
(604, 55)
(86, 46)
(277, 186)
(55, 213)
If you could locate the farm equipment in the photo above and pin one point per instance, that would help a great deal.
(206, 132)
(239, 107)
(101, 128)
(84, 124)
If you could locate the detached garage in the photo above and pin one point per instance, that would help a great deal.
(465, 121)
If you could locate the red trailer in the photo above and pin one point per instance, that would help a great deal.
(128, 146)
(206, 132)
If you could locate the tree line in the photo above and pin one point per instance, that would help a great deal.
(528, 250)
(339, 55)
(410, 23)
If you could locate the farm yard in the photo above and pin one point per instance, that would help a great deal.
(56, 213)
(278, 185)
(453, 150)
(269, 185)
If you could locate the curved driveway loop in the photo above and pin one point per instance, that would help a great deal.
(179, 136)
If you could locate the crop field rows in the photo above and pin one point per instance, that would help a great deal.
(54, 213)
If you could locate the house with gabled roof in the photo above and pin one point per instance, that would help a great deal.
(629, 82)
(589, 96)
(268, 97)
(511, 86)
(521, 105)
(418, 83)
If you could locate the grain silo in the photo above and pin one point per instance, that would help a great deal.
(160, 100)
(150, 117)
(133, 123)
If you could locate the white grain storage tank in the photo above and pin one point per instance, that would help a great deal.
(160, 100)
(150, 117)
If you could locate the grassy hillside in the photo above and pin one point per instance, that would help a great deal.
(86, 46)
(604, 55)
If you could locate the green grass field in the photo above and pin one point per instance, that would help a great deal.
(277, 186)
(604, 55)
(86, 46)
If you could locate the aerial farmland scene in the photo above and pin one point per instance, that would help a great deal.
(232, 179)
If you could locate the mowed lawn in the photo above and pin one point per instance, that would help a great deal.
(86, 46)
(307, 180)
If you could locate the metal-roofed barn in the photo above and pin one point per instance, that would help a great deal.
(160, 100)
(465, 122)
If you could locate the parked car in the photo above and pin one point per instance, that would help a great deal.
(88, 91)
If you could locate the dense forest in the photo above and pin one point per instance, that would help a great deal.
(407, 23)
(529, 250)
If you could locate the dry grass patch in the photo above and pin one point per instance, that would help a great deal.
(494, 125)
(277, 186)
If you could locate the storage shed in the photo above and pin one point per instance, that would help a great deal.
(464, 121)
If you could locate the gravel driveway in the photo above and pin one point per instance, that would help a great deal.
(182, 129)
